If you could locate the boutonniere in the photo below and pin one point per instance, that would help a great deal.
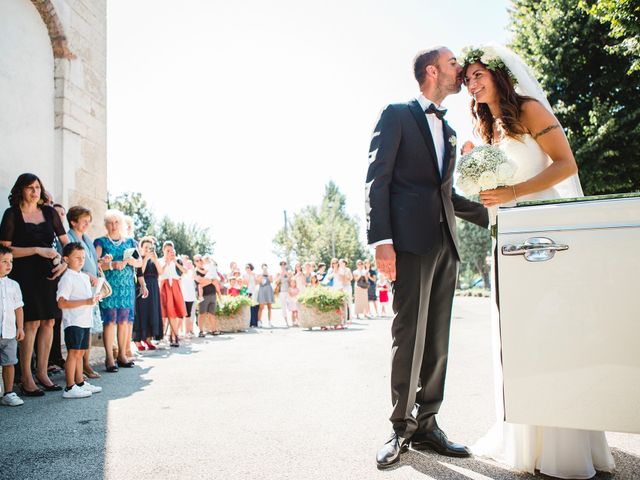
(453, 140)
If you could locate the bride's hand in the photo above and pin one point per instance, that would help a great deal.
(467, 147)
(497, 196)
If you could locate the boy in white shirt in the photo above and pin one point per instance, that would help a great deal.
(11, 326)
(76, 300)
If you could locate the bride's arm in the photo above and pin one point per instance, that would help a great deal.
(547, 131)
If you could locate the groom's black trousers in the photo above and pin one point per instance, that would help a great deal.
(423, 297)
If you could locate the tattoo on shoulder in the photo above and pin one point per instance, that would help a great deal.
(546, 130)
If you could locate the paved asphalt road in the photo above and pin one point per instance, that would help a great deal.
(269, 404)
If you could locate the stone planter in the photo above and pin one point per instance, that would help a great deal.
(239, 322)
(310, 317)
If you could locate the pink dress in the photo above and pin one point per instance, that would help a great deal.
(292, 299)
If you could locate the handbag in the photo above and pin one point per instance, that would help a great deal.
(362, 282)
(105, 289)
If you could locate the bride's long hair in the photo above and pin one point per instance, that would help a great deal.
(510, 107)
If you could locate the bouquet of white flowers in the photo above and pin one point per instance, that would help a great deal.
(484, 168)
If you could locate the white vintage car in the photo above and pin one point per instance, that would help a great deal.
(569, 298)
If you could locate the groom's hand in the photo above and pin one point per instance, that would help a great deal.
(386, 261)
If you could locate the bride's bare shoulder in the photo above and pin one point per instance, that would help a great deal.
(535, 117)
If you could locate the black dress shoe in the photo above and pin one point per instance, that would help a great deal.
(437, 441)
(390, 452)
(125, 364)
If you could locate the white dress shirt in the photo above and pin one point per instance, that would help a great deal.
(75, 286)
(10, 300)
(437, 132)
(436, 127)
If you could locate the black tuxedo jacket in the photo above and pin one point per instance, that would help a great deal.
(406, 196)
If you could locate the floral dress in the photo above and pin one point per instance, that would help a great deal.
(119, 307)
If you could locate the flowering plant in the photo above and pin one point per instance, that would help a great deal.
(484, 168)
(323, 298)
(489, 58)
(228, 305)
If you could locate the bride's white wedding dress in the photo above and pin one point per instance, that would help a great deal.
(558, 452)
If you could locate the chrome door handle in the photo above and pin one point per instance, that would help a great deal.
(536, 249)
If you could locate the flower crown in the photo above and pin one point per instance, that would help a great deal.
(489, 58)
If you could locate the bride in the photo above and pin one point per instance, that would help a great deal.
(510, 111)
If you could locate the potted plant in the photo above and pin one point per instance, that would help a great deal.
(321, 307)
(233, 314)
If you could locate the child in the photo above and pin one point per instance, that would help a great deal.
(292, 300)
(11, 326)
(234, 291)
(76, 300)
(383, 288)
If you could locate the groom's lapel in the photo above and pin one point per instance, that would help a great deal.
(421, 119)
(448, 148)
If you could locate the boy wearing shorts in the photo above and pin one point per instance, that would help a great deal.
(11, 327)
(76, 300)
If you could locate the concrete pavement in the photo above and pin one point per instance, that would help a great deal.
(268, 404)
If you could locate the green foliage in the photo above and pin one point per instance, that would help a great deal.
(475, 245)
(132, 204)
(229, 305)
(188, 239)
(593, 89)
(323, 298)
(623, 20)
(321, 232)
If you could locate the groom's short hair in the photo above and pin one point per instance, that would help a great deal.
(423, 59)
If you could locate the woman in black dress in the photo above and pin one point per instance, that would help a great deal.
(148, 319)
(29, 228)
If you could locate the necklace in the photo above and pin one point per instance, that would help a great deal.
(116, 243)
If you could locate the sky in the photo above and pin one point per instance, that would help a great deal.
(226, 114)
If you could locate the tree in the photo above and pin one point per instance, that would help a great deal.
(623, 19)
(474, 244)
(593, 89)
(187, 239)
(322, 232)
(132, 204)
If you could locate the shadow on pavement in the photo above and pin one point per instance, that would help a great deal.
(438, 467)
(53, 437)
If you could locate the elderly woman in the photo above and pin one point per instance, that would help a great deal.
(29, 227)
(115, 253)
(79, 219)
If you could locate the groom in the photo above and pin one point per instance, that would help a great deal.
(411, 210)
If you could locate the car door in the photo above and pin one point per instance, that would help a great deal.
(568, 290)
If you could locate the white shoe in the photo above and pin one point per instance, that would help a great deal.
(11, 400)
(76, 392)
(91, 388)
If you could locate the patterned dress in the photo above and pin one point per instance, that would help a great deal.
(120, 306)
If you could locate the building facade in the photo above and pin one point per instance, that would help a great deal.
(53, 95)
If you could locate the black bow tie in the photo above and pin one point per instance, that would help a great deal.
(437, 112)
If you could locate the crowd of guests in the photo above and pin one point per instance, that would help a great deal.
(58, 283)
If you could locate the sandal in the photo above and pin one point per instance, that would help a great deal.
(31, 393)
(91, 374)
(111, 369)
(53, 369)
(49, 388)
